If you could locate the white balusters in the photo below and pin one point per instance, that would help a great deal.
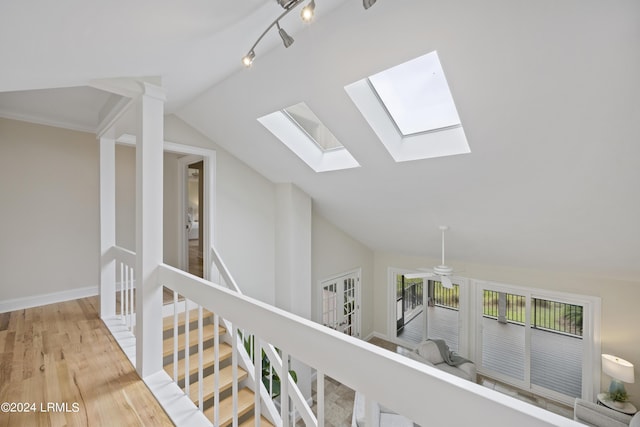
(234, 373)
(175, 336)
(256, 347)
(284, 390)
(200, 360)
(216, 369)
(187, 379)
(320, 397)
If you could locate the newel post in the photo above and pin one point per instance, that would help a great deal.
(149, 192)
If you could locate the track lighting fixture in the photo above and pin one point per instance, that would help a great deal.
(286, 38)
(368, 3)
(248, 58)
(306, 14)
(308, 11)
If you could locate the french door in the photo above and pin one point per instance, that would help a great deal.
(341, 303)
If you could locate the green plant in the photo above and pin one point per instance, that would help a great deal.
(618, 396)
(270, 377)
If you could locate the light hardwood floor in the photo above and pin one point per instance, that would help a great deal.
(62, 354)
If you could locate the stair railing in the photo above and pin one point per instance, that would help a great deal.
(125, 263)
(289, 386)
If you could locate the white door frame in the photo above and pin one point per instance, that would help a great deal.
(191, 155)
(358, 292)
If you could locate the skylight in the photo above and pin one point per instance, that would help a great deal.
(303, 133)
(411, 110)
(416, 95)
(311, 124)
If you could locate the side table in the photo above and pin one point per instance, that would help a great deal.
(625, 408)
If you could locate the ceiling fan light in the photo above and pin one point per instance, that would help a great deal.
(308, 11)
(368, 3)
(446, 282)
(248, 59)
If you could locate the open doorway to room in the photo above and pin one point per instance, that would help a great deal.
(409, 309)
(424, 309)
(194, 214)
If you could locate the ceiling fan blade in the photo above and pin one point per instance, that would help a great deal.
(418, 275)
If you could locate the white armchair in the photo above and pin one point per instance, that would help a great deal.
(591, 414)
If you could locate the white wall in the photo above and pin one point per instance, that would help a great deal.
(126, 197)
(126, 203)
(49, 235)
(171, 201)
(335, 252)
(245, 215)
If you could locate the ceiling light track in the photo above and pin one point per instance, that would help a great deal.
(306, 15)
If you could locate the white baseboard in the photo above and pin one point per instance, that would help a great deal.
(44, 299)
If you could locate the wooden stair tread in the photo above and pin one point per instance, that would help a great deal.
(251, 422)
(245, 404)
(207, 334)
(226, 382)
(167, 322)
(207, 360)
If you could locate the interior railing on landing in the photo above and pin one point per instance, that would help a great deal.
(422, 393)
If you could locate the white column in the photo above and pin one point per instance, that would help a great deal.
(293, 263)
(107, 289)
(149, 190)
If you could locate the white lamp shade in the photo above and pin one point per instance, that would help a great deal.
(617, 368)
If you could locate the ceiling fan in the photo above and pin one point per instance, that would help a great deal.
(442, 271)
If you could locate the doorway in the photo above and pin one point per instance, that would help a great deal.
(195, 215)
(341, 303)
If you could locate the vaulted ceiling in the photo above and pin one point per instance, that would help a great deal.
(547, 92)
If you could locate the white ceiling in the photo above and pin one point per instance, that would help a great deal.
(547, 92)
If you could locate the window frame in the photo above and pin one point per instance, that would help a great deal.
(590, 337)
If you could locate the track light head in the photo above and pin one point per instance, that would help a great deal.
(308, 11)
(286, 38)
(287, 4)
(368, 3)
(248, 58)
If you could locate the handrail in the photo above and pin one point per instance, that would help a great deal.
(294, 391)
(224, 271)
(126, 255)
(420, 392)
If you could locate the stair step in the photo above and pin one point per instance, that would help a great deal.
(226, 382)
(207, 360)
(245, 404)
(251, 422)
(207, 333)
(167, 322)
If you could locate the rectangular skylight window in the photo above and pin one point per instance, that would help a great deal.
(311, 124)
(411, 110)
(303, 133)
(416, 95)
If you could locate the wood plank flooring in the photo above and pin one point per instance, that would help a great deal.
(63, 355)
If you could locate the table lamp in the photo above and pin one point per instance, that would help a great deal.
(619, 370)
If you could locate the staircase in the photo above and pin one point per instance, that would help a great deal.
(245, 394)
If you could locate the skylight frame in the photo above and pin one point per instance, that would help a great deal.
(298, 140)
(440, 142)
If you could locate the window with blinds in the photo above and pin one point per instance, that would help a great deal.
(532, 341)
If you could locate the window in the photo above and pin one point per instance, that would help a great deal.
(443, 314)
(416, 95)
(536, 341)
(302, 132)
(411, 110)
